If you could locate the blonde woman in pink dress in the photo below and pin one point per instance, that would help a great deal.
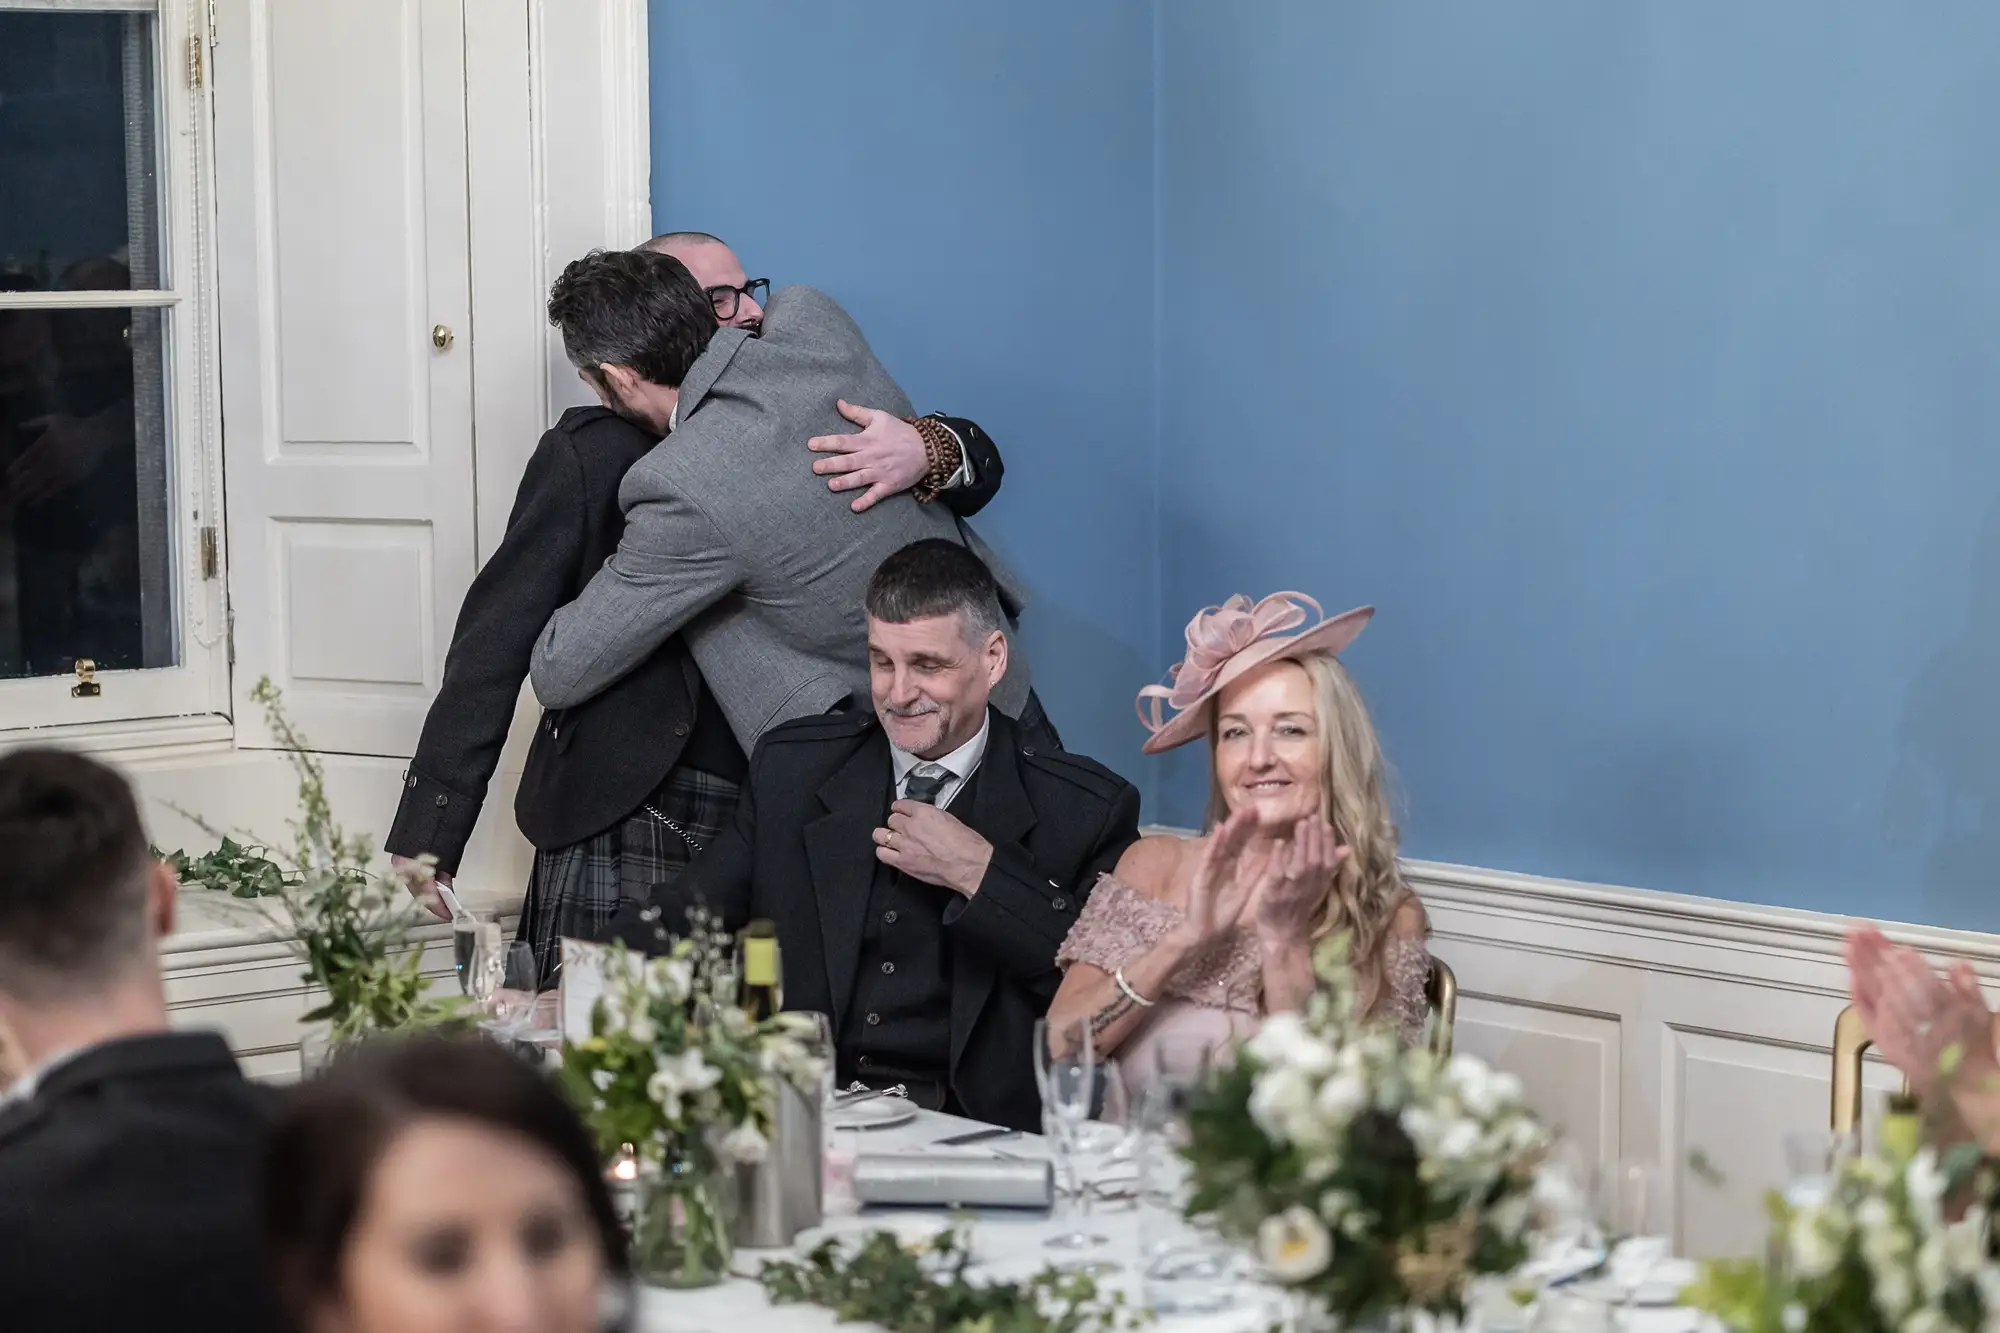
(1191, 941)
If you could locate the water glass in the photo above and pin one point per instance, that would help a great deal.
(512, 1003)
(466, 931)
(1813, 1159)
(1068, 1084)
(487, 964)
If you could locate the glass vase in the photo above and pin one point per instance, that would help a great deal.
(682, 1223)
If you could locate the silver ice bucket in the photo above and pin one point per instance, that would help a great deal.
(781, 1194)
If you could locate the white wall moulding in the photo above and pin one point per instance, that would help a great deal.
(1661, 1026)
(228, 969)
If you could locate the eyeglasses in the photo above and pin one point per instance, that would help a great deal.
(726, 299)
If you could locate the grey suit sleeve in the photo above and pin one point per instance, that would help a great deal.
(671, 564)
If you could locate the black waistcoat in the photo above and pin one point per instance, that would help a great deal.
(898, 1019)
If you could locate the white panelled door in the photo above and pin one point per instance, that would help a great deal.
(341, 200)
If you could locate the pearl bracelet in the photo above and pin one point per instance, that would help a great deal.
(1130, 994)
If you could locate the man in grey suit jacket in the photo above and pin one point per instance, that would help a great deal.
(729, 542)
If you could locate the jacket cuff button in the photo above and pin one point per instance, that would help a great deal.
(443, 800)
(1060, 904)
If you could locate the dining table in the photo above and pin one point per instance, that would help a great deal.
(1009, 1245)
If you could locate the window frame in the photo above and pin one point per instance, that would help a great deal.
(186, 704)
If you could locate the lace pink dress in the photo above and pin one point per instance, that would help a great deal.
(1217, 995)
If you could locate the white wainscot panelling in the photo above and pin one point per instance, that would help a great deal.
(227, 970)
(1574, 1056)
(1686, 1032)
(357, 607)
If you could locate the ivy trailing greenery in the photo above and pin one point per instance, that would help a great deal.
(350, 926)
(239, 870)
(879, 1280)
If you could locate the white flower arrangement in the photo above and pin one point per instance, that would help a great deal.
(1372, 1177)
(1882, 1251)
(674, 1068)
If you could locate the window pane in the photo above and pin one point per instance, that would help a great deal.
(79, 206)
(85, 552)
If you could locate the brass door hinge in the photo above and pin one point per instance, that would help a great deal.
(210, 557)
(194, 60)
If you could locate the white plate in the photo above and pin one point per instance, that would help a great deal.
(875, 1113)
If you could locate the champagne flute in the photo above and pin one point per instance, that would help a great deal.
(1068, 1084)
(466, 928)
(1628, 1202)
(486, 964)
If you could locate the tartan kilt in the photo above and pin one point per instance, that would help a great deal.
(574, 891)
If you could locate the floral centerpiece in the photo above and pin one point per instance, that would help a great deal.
(678, 1075)
(349, 925)
(1374, 1180)
(1882, 1251)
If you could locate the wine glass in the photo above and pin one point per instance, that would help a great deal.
(1068, 1084)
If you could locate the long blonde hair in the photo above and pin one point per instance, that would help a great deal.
(1368, 886)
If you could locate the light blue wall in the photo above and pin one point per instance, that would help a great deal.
(975, 183)
(1639, 361)
(1636, 360)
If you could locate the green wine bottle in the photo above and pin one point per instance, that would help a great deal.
(761, 969)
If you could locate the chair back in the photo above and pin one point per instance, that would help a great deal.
(1441, 990)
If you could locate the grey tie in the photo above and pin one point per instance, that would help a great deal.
(925, 785)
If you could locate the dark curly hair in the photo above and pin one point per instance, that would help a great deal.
(632, 308)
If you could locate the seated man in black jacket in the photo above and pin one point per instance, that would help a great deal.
(922, 861)
(129, 1154)
(618, 792)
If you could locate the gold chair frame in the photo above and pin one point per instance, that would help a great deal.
(1850, 1044)
(1441, 991)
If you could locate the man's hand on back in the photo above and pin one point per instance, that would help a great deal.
(887, 456)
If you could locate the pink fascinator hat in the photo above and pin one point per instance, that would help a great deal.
(1229, 641)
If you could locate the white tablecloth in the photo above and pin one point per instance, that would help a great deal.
(1007, 1246)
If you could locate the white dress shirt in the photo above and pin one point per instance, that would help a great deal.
(22, 1088)
(960, 764)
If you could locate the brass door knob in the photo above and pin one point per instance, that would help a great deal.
(440, 336)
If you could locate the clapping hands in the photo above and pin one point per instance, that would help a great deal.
(1294, 886)
(1925, 1025)
(1281, 886)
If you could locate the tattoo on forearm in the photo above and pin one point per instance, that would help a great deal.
(1120, 1006)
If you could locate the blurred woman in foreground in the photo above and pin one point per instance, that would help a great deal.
(435, 1185)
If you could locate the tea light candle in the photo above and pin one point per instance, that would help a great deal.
(622, 1179)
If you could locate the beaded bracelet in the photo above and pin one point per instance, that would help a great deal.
(941, 449)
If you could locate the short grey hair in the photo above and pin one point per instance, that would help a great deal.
(667, 240)
(936, 577)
